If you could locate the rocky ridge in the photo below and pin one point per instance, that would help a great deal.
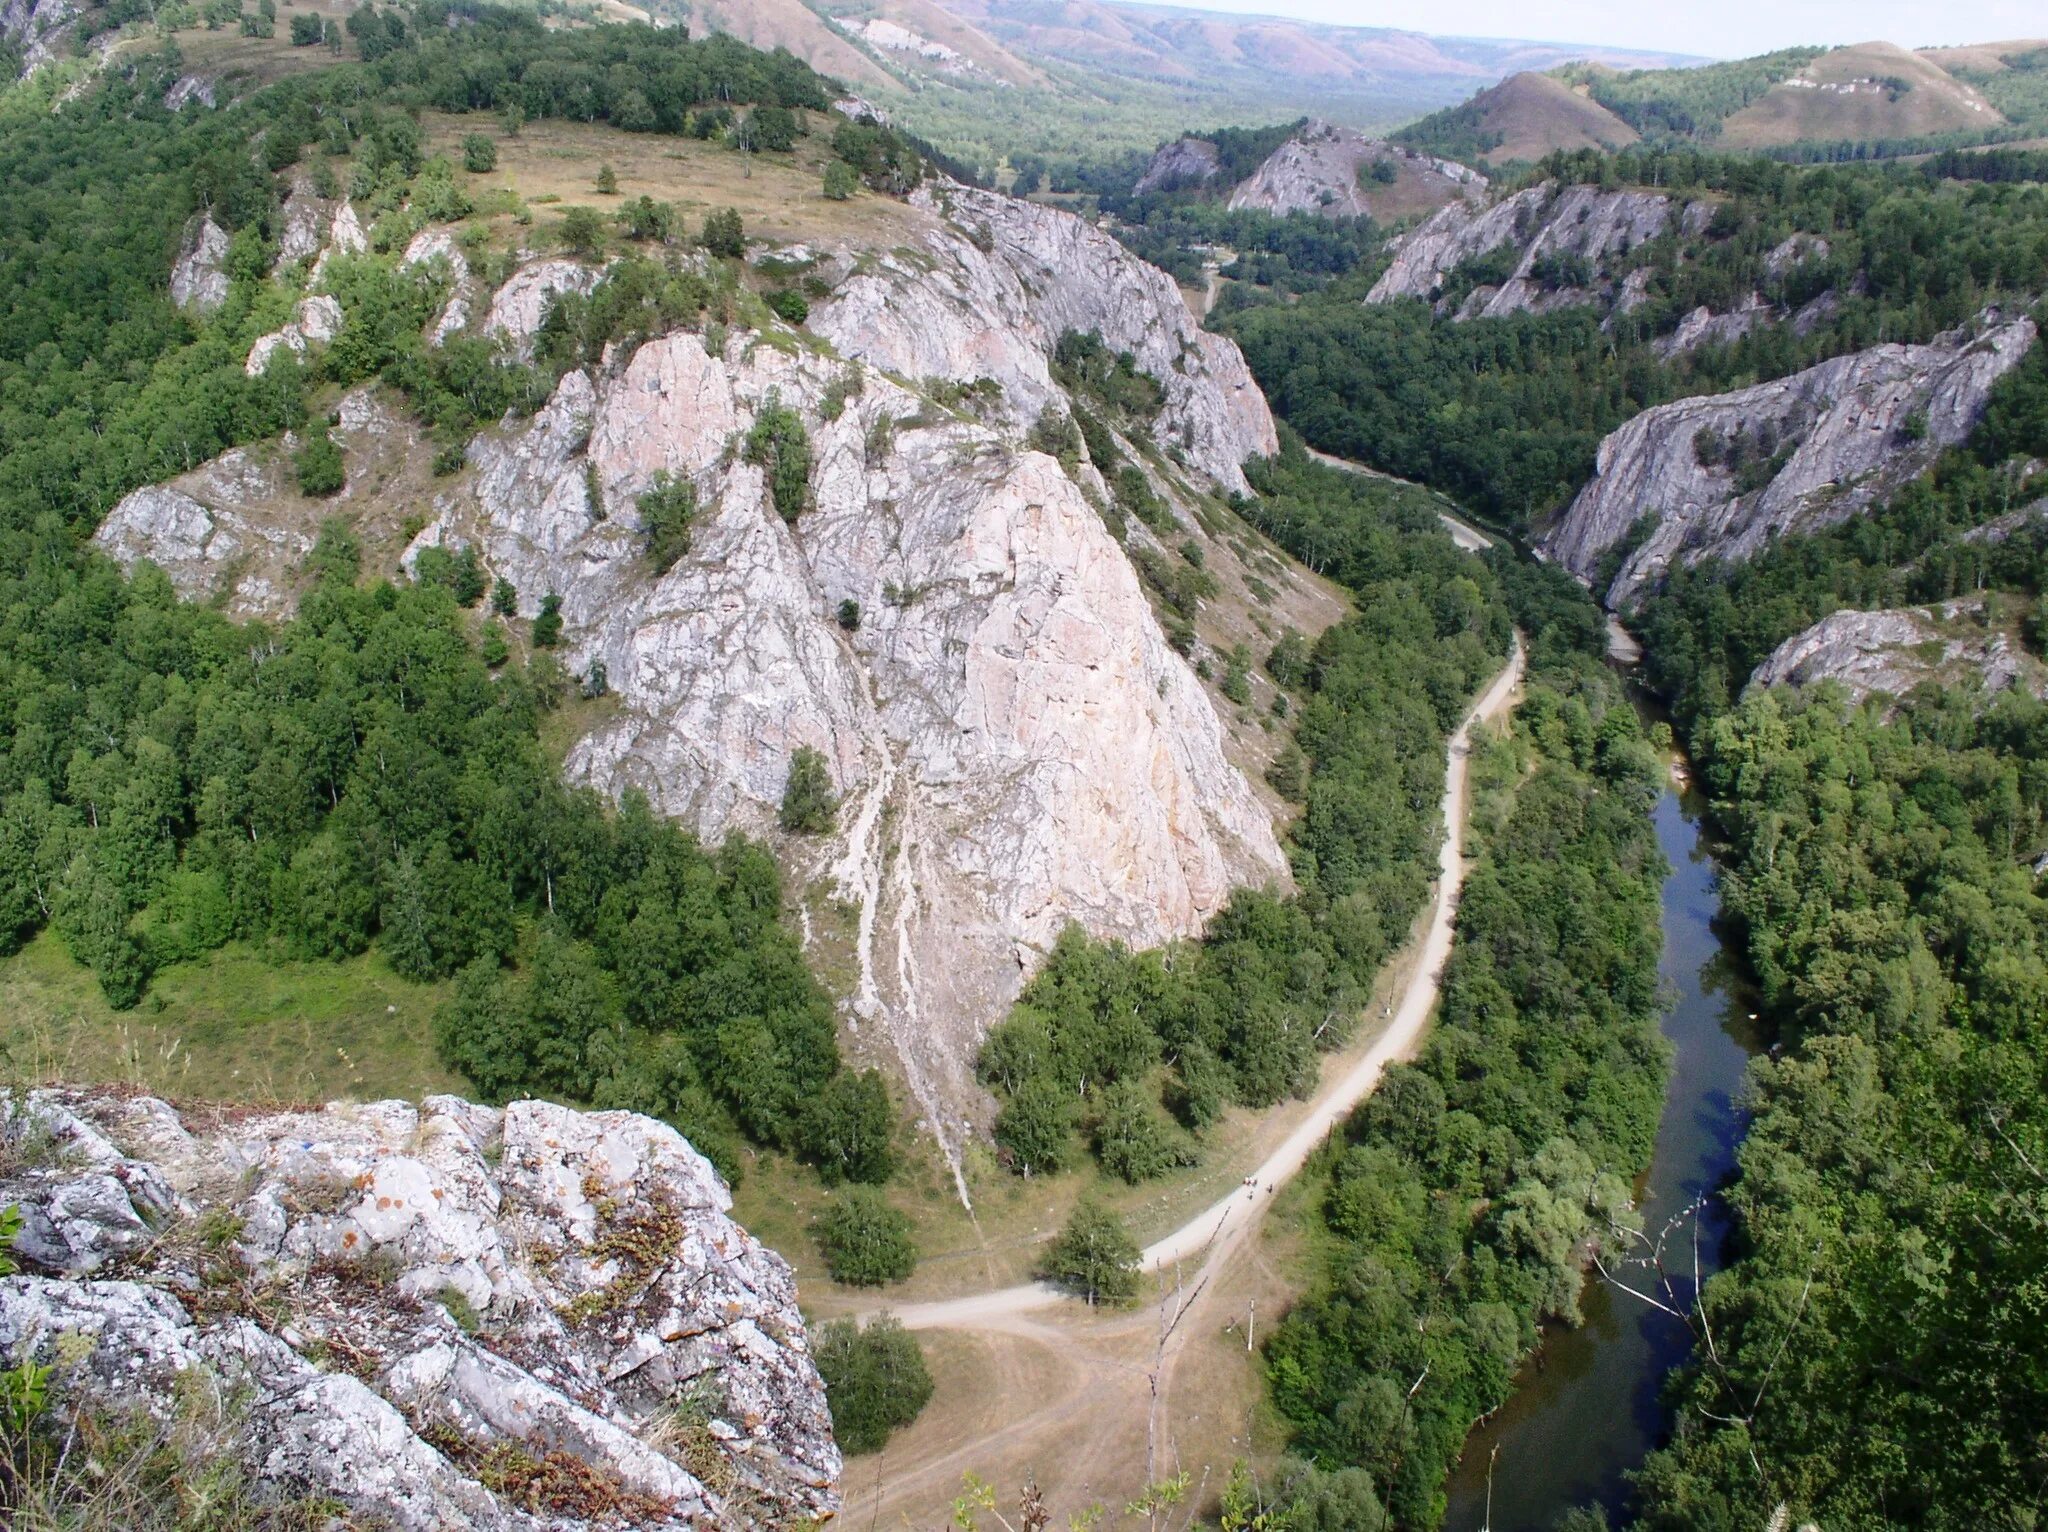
(1319, 170)
(395, 1296)
(1017, 744)
(1567, 239)
(1891, 652)
(1718, 476)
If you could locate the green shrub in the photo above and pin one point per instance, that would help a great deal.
(479, 150)
(808, 801)
(667, 509)
(1094, 1257)
(875, 1381)
(318, 464)
(866, 1242)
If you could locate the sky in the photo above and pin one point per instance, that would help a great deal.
(1721, 29)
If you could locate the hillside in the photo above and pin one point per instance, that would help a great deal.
(1525, 117)
(1865, 93)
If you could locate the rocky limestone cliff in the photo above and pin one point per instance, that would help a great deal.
(992, 288)
(1578, 227)
(1184, 163)
(388, 1296)
(1017, 744)
(40, 30)
(1832, 440)
(199, 278)
(237, 530)
(1892, 652)
(1318, 171)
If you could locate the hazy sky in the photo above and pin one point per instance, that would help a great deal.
(1722, 29)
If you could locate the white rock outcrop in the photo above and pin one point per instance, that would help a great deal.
(38, 29)
(1018, 746)
(236, 528)
(316, 322)
(437, 249)
(438, 1285)
(1318, 171)
(518, 307)
(199, 278)
(1550, 227)
(1891, 652)
(1841, 434)
(956, 310)
(1185, 162)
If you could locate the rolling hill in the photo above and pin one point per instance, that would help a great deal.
(1870, 91)
(1525, 117)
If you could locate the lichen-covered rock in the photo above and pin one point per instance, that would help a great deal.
(1832, 440)
(1892, 652)
(1577, 230)
(437, 1284)
(199, 279)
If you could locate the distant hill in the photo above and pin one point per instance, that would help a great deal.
(1872, 98)
(1311, 167)
(1871, 91)
(1088, 79)
(1525, 117)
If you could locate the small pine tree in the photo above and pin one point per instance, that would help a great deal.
(724, 234)
(319, 465)
(504, 598)
(479, 152)
(607, 181)
(547, 627)
(808, 802)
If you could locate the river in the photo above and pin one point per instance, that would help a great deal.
(1586, 1408)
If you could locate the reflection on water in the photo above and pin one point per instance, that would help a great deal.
(1585, 1410)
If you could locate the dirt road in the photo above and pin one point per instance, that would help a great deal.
(1032, 1384)
(1225, 1221)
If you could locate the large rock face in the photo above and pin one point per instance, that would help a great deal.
(1017, 745)
(393, 1294)
(1329, 171)
(1892, 652)
(1831, 440)
(1000, 280)
(38, 29)
(1179, 165)
(199, 278)
(1565, 239)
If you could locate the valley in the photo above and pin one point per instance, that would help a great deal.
(1016, 766)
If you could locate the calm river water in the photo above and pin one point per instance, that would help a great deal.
(1585, 1410)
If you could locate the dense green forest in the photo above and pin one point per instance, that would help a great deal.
(369, 773)
(1141, 1051)
(1880, 1346)
(1506, 413)
(1458, 1203)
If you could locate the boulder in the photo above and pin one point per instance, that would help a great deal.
(444, 1284)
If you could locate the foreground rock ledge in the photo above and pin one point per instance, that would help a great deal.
(403, 1294)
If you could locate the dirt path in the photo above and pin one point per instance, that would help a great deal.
(1225, 1221)
(1463, 533)
(1033, 1385)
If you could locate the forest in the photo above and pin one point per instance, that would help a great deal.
(1505, 414)
(1880, 1352)
(369, 773)
(1457, 1205)
(1136, 1053)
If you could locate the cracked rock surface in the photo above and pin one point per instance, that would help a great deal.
(398, 1292)
(1833, 440)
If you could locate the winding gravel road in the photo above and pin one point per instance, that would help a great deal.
(1210, 1233)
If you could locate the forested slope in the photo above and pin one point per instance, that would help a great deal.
(1505, 413)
